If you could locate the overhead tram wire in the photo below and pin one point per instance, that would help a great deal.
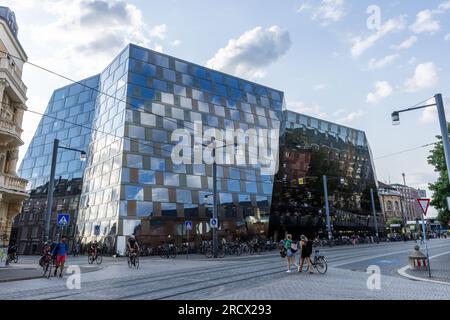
(405, 151)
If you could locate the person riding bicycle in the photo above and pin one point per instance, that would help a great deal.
(133, 246)
(12, 252)
(93, 248)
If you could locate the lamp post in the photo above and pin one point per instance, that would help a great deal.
(51, 183)
(439, 104)
(374, 213)
(327, 205)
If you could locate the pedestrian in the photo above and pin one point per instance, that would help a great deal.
(306, 246)
(60, 251)
(290, 255)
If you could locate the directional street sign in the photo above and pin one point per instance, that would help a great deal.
(214, 223)
(188, 225)
(63, 219)
(424, 204)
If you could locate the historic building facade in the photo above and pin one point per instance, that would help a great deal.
(12, 107)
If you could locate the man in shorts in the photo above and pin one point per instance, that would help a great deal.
(60, 251)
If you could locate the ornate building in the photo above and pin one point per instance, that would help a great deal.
(12, 107)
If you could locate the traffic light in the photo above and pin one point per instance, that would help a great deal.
(301, 181)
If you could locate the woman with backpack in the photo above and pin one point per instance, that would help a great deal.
(291, 248)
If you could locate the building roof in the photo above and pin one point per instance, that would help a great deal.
(8, 16)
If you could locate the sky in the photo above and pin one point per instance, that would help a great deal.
(351, 62)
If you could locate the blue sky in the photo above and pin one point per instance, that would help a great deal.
(320, 53)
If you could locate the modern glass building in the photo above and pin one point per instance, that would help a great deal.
(132, 186)
(311, 148)
(68, 117)
(131, 183)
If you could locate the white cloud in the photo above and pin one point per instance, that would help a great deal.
(445, 6)
(425, 22)
(408, 43)
(175, 43)
(360, 45)
(330, 11)
(382, 90)
(340, 116)
(447, 37)
(425, 76)
(351, 117)
(429, 115)
(381, 63)
(319, 87)
(89, 33)
(250, 54)
(312, 110)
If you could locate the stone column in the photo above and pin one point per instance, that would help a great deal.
(12, 161)
(3, 85)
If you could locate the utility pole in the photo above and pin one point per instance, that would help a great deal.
(444, 130)
(374, 213)
(327, 207)
(215, 242)
(50, 190)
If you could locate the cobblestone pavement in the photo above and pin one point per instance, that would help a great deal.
(241, 278)
(440, 269)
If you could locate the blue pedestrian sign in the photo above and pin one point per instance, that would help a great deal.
(214, 222)
(188, 225)
(63, 219)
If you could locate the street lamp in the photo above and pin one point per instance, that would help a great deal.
(51, 183)
(439, 104)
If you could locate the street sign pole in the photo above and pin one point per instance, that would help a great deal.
(187, 247)
(424, 205)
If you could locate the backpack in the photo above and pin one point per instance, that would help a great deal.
(294, 247)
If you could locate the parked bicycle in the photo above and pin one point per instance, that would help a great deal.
(319, 263)
(167, 251)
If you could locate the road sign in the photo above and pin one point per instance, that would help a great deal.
(214, 223)
(97, 230)
(424, 204)
(422, 193)
(63, 219)
(188, 225)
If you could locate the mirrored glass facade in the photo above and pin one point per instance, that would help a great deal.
(311, 148)
(68, 117)
(131, 185)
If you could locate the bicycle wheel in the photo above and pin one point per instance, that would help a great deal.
(91, 259)
(173, 252)
(136, 262)
(48, 270)
(221, 253)
(321, 265)
(209, 253)
(16, 258)
(42, 261)
(129, 262)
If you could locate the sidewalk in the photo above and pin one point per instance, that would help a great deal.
(29, 270)
(440, 269)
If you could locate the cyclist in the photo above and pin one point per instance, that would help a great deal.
(12, 252)
(133, 246)
(93, 248)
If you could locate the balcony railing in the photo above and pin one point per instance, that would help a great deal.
(8, 66)
(10, 126)
(13, 183)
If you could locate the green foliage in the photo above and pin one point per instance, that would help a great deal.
(441, 187)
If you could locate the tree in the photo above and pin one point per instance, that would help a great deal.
(441, 187)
